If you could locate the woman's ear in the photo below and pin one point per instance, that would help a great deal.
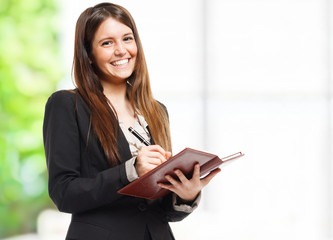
(90, 58)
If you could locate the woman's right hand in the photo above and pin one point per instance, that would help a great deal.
(150, 157)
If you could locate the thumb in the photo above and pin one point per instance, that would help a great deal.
(167, 155)
(210, 176)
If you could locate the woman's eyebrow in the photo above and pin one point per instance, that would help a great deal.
(107, 38)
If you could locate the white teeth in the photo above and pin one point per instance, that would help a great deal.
(121, 62)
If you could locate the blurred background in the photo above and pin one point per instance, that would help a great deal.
(236, 75)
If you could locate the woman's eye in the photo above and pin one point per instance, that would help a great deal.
(128, 38)
(107, 43)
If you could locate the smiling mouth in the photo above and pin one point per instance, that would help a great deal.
(120, 62)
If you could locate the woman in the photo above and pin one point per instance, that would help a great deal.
(91, 154)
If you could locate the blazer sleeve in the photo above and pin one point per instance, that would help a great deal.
(69, 190)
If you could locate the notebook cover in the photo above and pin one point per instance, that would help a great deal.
(146, 186)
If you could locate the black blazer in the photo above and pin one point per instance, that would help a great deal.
(82, 183)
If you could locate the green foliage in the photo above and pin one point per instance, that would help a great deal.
(29, 70)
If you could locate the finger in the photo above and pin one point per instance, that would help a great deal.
(156, 157)
(150, 167)
(167, 155)
(151, 157)
(156, 148)
(196, 172)
(210, 176)
(157, 152)
(172, 180)
(165, 186)
(181, 176)
(151, 148)
(155, 163)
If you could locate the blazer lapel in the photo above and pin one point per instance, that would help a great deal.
(151, 139)
(123, 147)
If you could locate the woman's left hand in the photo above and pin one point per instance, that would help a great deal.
(188, 189)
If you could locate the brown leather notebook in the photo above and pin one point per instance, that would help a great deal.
(146, 186)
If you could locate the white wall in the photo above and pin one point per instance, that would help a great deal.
(252, 76)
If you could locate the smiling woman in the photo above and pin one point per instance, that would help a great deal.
(89, 151)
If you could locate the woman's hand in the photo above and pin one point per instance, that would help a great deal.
(188, 189)
(150, 157)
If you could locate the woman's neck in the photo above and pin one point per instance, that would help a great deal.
(116, 93)
(117, 97)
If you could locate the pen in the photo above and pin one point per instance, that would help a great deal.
(138, 136)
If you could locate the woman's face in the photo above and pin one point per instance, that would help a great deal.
(114, 51)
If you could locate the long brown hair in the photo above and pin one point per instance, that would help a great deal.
(104, 122)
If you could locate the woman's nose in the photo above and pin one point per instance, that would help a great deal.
(120, 49)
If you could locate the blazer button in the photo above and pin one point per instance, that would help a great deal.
(142, 206)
